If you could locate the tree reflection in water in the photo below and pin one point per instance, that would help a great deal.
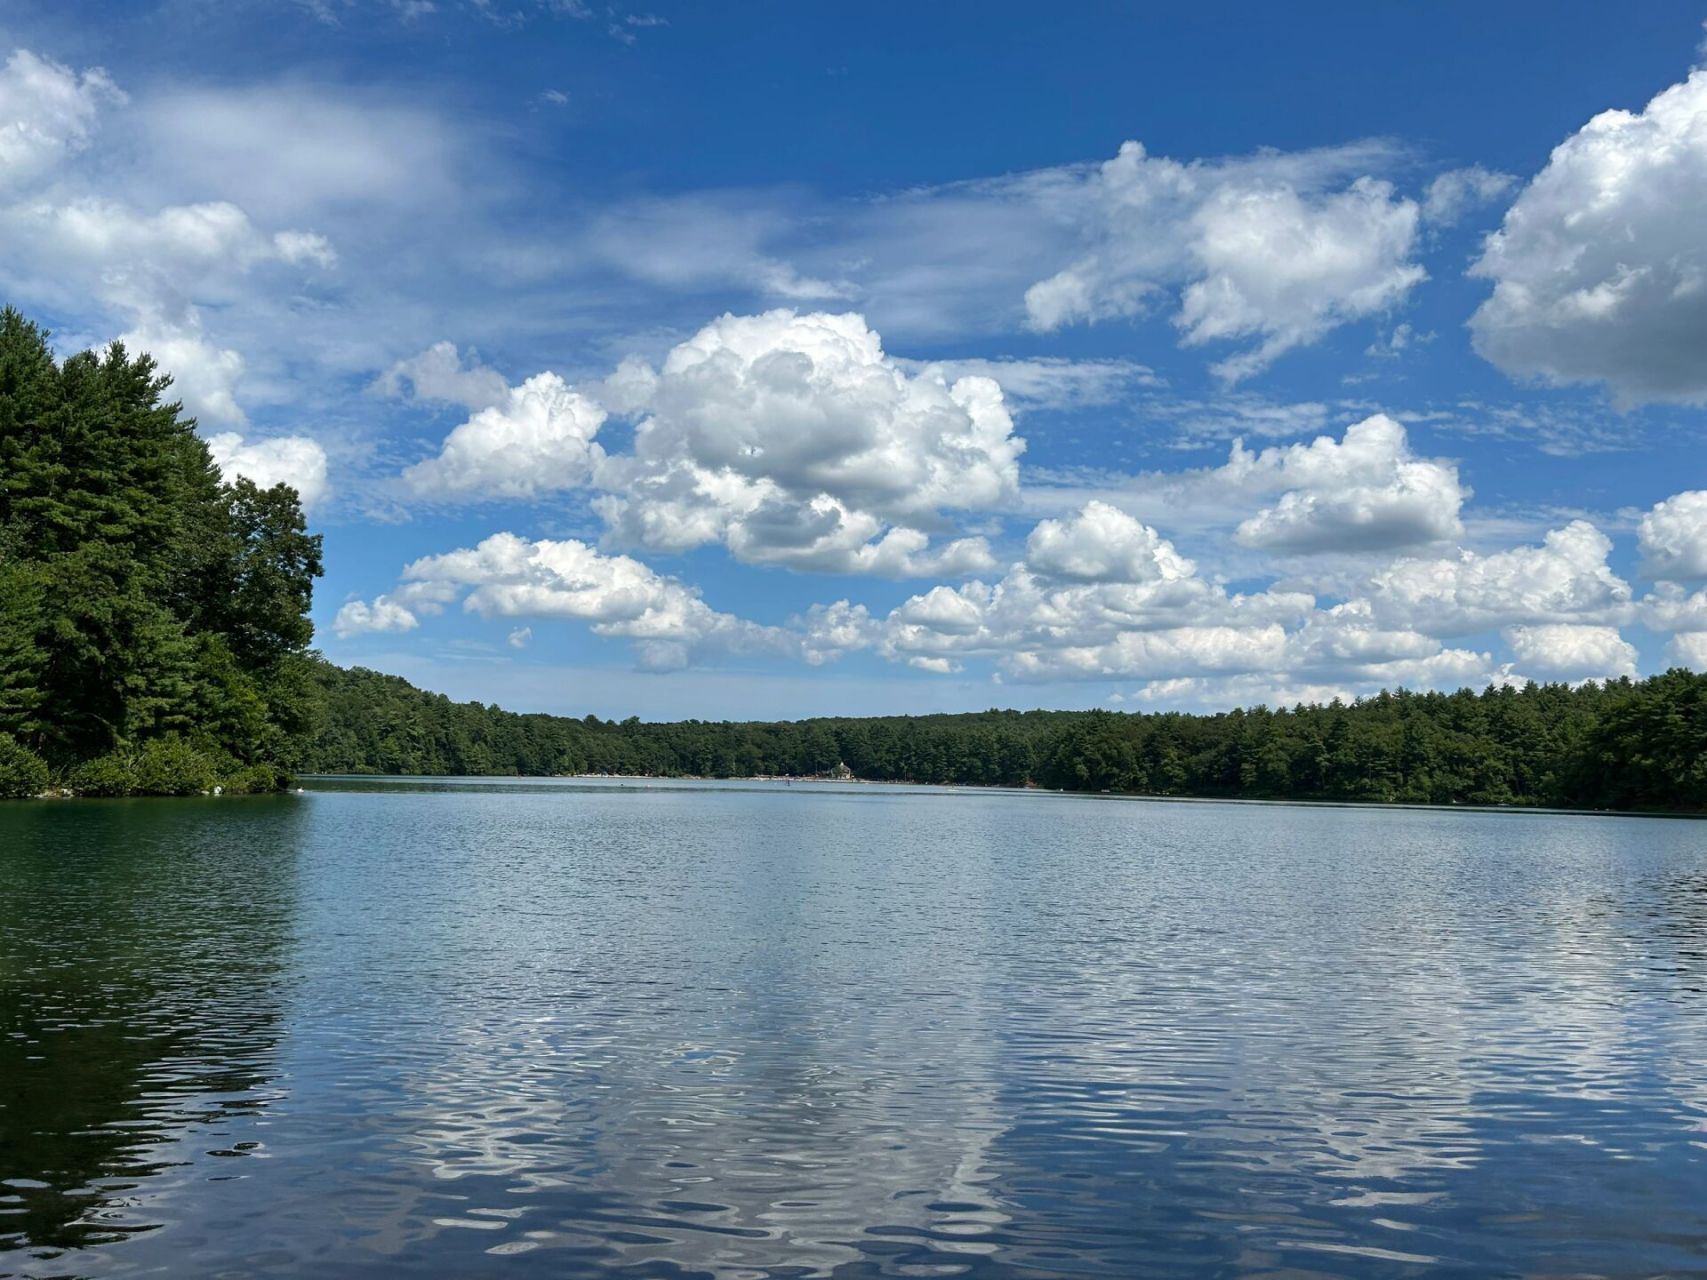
(141, 951)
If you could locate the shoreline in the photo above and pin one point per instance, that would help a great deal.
(1031, 790)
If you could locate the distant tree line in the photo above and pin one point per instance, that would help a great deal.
(1624, 745)
(153, 618)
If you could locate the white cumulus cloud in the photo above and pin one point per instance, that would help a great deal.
(670, 626)
(537, 441)
(1673, 537)
(1098, 594)
(204, 376)
(1188, 650)
(358, 617)
(1671, 607)
(1570, 651)
(828, 631)
(1600, 268)
(1273, 250)
(1364, 492)
(1688, 649)
(1565, 579)
(297, 461)
(507, 576)
(1103, 544)
(1450, 669)
(795, 440)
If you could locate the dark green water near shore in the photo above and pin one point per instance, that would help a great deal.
(746, 1030)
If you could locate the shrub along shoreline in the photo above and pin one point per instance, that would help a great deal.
(170, 766)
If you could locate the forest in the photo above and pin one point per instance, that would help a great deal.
(155, 639)
(154, 625)
(1620, 745)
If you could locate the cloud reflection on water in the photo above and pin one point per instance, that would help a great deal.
(728, 1033)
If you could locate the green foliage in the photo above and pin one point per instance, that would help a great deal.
(172, 767)
(113, 774)
(163, 767)
(1638, 745)
(144, 602)
(1648, 749)
(255, 779)
(22, 772)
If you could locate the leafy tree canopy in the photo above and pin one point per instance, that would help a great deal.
(142, 598)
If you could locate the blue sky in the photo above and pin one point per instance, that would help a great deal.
(686, 360)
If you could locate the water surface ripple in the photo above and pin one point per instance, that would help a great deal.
(743, 1031)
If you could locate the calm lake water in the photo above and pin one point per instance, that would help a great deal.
(745, 1030)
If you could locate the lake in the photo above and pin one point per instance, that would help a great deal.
(502, 1028)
